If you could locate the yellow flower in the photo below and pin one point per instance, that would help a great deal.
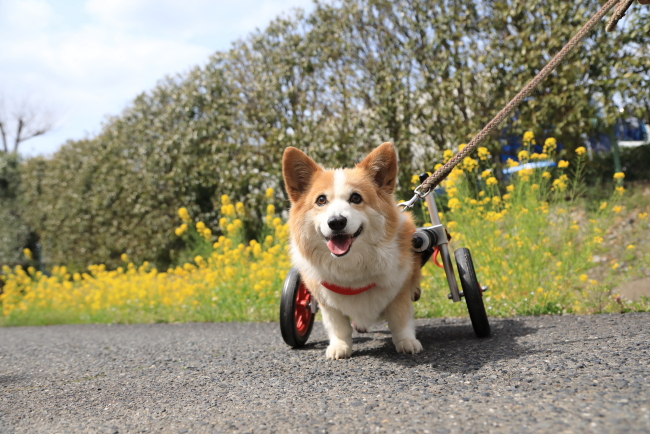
(200, 226)
(535, 156)
(630, 246)
(523, 156)
(558, 185)
(452, 225)
(491, 181)
(225, 200)
(469, 164)
(529, 136)
(461, 146)
(496, 200)
(619, 190)
(643, 215)
(485, 174)
(510, 188)
(239, 207)
(124, 257)
(598, 240)
(415, 180)
(619, 175)
(583, 277)
(593, 282)
(602, 206)
(617, 209)
(546, 175)
(453, 204)
(269, 193)
(437, 166)
(180, 230)
(447, 155)
(28, 254)
(558, 264)
(223, 222)
(534, 187)
(615, 266)
(183, 214)
(483, 153)
(512, 163)
(507, 196)
(581, 150)
(207, 233)
(550, 145)
(562, 164)
(270, 209)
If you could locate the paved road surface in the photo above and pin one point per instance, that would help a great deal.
(538, 374)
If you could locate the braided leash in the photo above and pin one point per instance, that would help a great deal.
(431, 182)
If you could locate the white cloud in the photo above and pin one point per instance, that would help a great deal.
(86, 60)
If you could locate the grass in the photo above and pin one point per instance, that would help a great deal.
(540, 246)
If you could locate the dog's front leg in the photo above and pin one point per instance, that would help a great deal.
(339, 331)
(399, 315)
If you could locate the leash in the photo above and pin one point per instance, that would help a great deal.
(436, 178)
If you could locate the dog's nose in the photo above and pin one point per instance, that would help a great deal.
(337, 223)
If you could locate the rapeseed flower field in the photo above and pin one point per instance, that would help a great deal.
(533, 242)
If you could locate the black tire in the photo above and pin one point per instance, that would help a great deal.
(294, 332)
(472, 293)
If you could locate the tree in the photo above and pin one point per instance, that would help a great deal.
(23, 122)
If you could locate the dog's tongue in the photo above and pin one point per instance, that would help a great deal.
(339, 244)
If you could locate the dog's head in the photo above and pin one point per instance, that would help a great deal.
(341, 210)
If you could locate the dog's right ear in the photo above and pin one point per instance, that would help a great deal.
(297, 170)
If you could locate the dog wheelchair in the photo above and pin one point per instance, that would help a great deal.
(298, 308)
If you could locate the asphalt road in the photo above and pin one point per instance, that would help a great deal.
(537, 374)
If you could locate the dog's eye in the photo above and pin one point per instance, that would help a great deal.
(322, 200)
(355, 198)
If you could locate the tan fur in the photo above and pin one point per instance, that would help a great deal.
(381, 254)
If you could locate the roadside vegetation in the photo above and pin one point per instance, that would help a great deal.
(538, 245)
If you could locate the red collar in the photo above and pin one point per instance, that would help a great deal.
(345, 290)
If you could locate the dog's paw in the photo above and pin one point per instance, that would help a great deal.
(415, 296)
(339, 350)
(408, 346)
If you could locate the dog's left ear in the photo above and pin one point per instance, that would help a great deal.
(382, 166)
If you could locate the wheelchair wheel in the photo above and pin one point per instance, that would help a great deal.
(296, 317)
(472, 293)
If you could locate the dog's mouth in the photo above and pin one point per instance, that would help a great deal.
(340, 244)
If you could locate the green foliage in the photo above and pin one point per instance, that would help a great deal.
(426, 75)
(14, 234)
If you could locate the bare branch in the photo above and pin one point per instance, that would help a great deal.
(29, 122)
(4, 136)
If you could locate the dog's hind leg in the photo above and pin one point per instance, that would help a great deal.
(399, 315)
(339, 331)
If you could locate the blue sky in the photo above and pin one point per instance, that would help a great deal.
(85, 60)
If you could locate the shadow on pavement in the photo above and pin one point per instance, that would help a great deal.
(447, 347)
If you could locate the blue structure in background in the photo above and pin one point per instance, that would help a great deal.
(630, 129)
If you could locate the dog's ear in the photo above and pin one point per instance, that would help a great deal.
(382, 166)
(297, 170)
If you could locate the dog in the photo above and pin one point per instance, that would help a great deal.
(352, 246)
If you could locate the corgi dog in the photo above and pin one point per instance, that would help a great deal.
(352, 246)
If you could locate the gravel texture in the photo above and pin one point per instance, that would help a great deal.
(537, 374)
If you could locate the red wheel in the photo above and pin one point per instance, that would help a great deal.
(296, 317)
(302, 310)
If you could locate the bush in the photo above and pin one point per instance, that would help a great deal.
(533, 242)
